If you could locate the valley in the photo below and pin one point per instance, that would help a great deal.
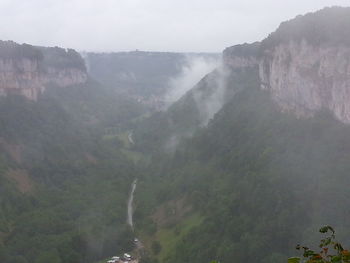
(176, 157)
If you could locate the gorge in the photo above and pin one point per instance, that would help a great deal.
(243, 166)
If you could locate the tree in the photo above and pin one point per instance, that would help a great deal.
(331, 250)
(156, 247)
(49, 256)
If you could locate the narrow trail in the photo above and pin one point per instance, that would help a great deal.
(130, 204)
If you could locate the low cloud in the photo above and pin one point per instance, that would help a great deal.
(191, 73)
(209, 104)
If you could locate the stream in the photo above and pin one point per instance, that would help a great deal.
(130, 204)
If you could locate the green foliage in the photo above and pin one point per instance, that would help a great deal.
(259, 177)
(164, 130)
(47, 57)
(244, 50)
(156, 247)
(325, 27)
(12, 50)
(61, 58)
(76, 211)
(331, 250)
(48, 256)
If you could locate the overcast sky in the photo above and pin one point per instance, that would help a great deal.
(158, 25)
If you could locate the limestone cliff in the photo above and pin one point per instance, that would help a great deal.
(305, 64)
(28, 70)
(240, 57)
(304, 79)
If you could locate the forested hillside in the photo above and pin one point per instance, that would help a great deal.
(193, 110)
(257, 179)
(248, 163)
(64, 176)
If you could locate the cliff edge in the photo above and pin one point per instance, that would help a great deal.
(28, 70)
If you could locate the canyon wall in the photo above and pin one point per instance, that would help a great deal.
(240, 57)
(27, 70)
(304, 79)
(304, 64)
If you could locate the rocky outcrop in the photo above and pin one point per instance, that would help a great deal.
(28, 71)
(20, 76)
(305, 64)
(241, 57)
(304, 79)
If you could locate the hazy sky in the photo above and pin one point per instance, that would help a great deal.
(159, 25)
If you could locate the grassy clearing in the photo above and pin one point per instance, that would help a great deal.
(168, 237)
(132, 155)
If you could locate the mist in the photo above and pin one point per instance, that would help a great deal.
(237, 157)
(191, 73)
(209, 105)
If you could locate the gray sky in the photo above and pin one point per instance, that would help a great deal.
(158, 25)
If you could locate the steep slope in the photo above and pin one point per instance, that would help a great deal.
(306, 64)
(64, 178)
(143, 75)
(259, 178)
(202, 102)
(262, 175)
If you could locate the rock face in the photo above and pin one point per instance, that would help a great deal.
(304, 79)
(241, 57)
(20, 76)
(28, 71)
(304, 64)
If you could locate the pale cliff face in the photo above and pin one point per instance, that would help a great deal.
(304, 79)
(64, 77)
(241, 57)
(236, 62)
(24, 76)
(20, 76)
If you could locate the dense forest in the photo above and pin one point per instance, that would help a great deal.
(329, 26)
(254, 162)
(254, 181)
(10, 50)
(64, 179)
(222, 174)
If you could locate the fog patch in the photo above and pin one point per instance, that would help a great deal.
(209, 96)
(86, 59)
(173, 141)
(191, 73)
(171, 144)
(211, 99)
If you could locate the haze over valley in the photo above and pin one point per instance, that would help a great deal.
(233, 155)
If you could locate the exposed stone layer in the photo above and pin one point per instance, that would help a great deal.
(30, 75)
(304, 79)
(241, 56)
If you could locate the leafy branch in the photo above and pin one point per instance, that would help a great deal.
(331, 250)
